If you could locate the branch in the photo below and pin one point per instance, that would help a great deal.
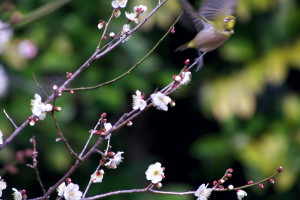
(133, 67)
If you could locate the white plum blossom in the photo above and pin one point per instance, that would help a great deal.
(17, 195)
(126, 28)
(160, 101)
(61, 188)
(107, 127)
(3, 185)
(115, 161)
(5, 35)
(132, 17)
(72, 192)
(138, 101)
(140, 9)
(97, 177)
(155, 173)
(119, 3)
(241, 194)
(186, 78)
(39, 108)
(1, 140)
(203, 192)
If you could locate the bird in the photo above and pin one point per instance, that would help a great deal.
(214, 23)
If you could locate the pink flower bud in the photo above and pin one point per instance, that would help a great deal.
(230, 170)
(187, 62)
(69, 74)
(280, 169)
(172, 30)
(221, 181)
(100, 25)
(261, 185)
(103, 115)
(271, 180)
(230, 187)
(250, 182)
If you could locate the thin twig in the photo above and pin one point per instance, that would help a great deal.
(10, 119)
(131, 68)
(39, 86)
(35, 164)
(60, 134)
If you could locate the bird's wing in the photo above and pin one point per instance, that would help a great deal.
(197, 19)
(214, 9)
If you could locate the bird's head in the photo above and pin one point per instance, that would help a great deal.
(228, 23)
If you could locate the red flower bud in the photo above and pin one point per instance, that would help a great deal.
(187, 62)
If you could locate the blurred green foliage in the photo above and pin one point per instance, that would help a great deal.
(242, 110)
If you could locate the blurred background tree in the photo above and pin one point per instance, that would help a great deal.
(242, 110)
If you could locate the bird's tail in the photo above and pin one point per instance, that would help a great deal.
(183, 47)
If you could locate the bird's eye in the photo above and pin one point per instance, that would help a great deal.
(226, 19)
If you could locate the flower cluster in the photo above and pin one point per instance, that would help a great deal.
(203, 192)
(155, 173)
(17, 195)
(69, 192)
(137, 12)
(38, 108)
(160, 101)
(115, 160)
(138, 101)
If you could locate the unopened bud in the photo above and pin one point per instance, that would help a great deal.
(111, 154)
(103, 38)
(172, 30)
(69, 74)
(261, 185)
(280, 169)
(221, 181)
(187, 62)
(57, 109)
(230, 170)
(117, 13)
(103, 115)
(129, 123)
(68, 180)
(250, 182)
(229, 175)
(158, 185)
(112, 35)
(177, 78)
(230, 187)
(100, 25)
(271, 180)
(54, 87)
(172, 103)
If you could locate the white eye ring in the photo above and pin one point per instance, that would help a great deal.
(226, 19)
